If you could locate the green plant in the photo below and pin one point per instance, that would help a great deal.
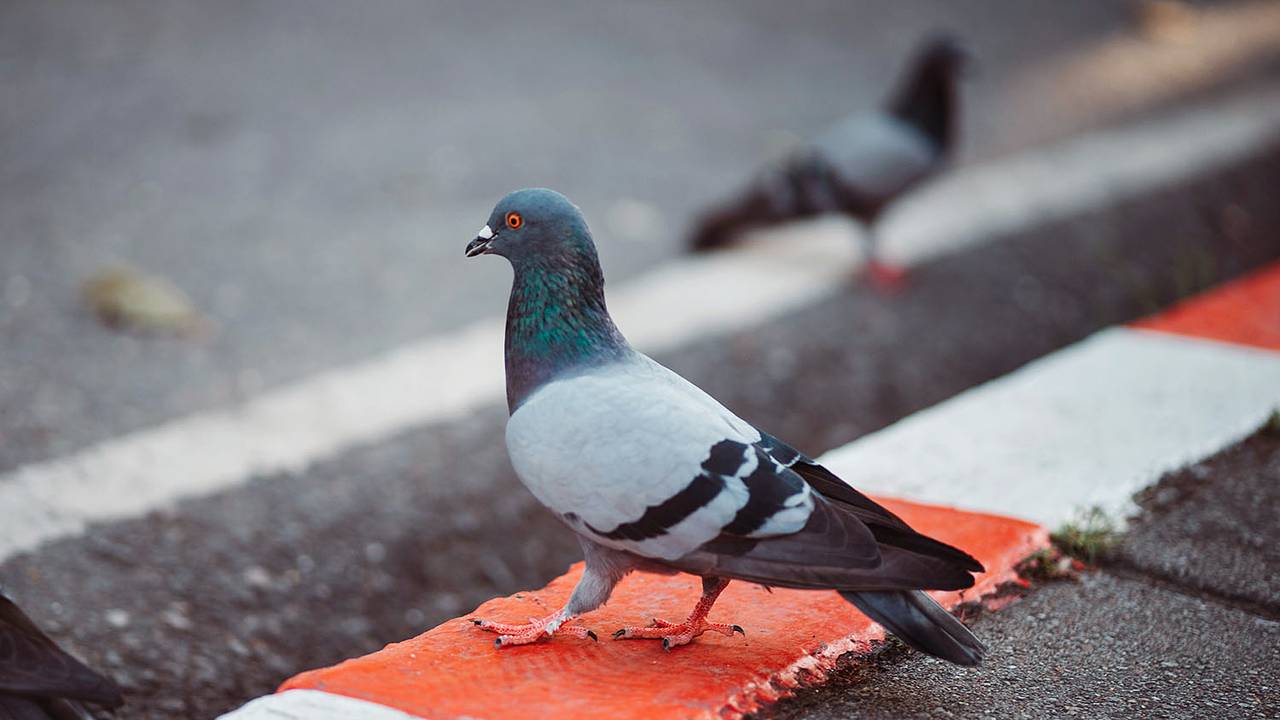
(1089, 537)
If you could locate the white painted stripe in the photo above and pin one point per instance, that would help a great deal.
(1086, 426)
(444, 377)
(975, 203)
(313, 705)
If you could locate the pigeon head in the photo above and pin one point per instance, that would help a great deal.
(943, 53)
(926, 96)
(557, 321)
(535, 225)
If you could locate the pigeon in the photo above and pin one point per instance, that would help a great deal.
(857, 167)
(653, 474)
(40, 681)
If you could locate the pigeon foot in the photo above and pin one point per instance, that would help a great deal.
(676, 634)
(534, 630)
(886, 277)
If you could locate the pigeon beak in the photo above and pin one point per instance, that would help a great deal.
(480, 246)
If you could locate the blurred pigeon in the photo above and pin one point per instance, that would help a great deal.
(38, 680)
(859, 166)
(653, 474)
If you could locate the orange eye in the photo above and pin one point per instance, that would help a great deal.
(514, 221)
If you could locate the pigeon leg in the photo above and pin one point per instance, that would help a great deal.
(675, 634)
(604, 568)
(884, 276)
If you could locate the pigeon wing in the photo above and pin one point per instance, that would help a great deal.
(831, 550)
(873, 157)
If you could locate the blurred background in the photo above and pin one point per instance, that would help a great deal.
(203, 201)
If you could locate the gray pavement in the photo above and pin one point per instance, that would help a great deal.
(307, 171)
(1212, 528)
(1105, 646)
(1183, 621)
(197, 608)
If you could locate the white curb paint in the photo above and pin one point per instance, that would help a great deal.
(1086, 426)
(313, 705)
(442, 378)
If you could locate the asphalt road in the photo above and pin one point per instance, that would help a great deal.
(308, 172)
(196, 608)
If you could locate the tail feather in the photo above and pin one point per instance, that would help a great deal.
(921, 623)
(723, 224)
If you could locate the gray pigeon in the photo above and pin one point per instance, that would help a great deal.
(38, 680)
(859, 166)
(653, 474)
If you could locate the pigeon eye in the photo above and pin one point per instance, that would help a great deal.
(514, 221)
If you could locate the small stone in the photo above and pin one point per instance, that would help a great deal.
(257, 576)
(131, 300)
(116, 618)
(177, 620)
(375, 552)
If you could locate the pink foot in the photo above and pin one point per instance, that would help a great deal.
(674, 635)
(886, 277)
(535, 630)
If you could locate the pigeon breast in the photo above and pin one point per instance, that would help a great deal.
(876, 156)
(638, 459)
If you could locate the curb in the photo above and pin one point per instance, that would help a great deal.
(793, 636)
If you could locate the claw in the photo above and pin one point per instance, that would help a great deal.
(620, 633)
(497, 642)
(738, 629)
(592, 635)
(666, 645)
(477, 621)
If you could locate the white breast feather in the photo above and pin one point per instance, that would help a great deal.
(608, 444)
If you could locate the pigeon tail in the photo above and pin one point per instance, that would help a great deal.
(921, 623)
(722, 225)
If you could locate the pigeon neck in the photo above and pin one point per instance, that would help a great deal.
(927, 101)
(556, 321)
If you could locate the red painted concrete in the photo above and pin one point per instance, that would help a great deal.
(453, 670)
(1245, 311)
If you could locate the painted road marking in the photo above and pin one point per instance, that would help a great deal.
(314, 705)
(1086, 426)
(444, 377)
(453, 670)
(1245, 312)
(1090, 425)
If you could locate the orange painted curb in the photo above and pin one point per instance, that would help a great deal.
(1244, 311)
(453, 670)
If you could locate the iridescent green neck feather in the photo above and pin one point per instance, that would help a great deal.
(557, 322)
